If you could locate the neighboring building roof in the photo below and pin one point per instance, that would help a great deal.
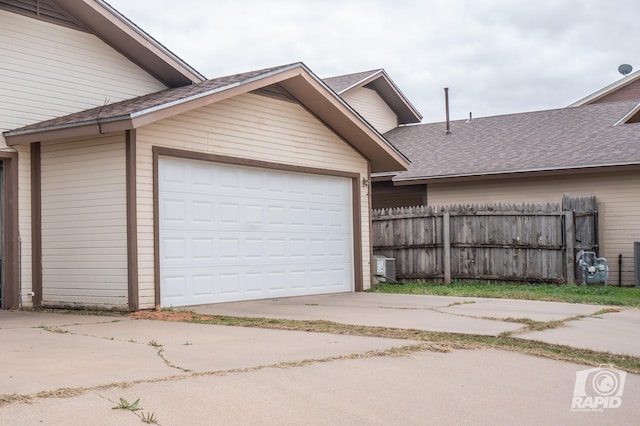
(296, 79)
(609, 90)
(379, 81)
(561, 139)
(341, 83)
(99, 18)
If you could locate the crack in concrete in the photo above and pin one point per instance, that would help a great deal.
(152, 343)
(79, 323)
(529, 324)
(397, 351)
(433, 308)
(160, 352)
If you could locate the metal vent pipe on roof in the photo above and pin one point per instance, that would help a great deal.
(446, 106)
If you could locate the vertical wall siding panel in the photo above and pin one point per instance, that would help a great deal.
(84, 233)
(370, 105)
(248, 126)
(617, 195)
(49, 71)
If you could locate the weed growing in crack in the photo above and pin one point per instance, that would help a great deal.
(53, 329)
(154, 344)
(149, 418)
(466, 302)
(126, 405)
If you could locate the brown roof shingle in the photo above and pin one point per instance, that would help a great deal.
(566, 138)
(135, 105)
(342, 82)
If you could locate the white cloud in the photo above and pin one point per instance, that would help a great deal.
(496, 56)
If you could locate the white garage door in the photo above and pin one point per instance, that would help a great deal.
(231, 233)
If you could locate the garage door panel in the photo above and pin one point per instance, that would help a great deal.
(203, 285)
(190, 249)
(202, 211)
(239, 233)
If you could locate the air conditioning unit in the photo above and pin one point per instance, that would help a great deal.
(636, 262)
(384, 269)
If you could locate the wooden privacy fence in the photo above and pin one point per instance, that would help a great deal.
(504, 242)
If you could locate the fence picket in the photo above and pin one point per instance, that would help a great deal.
(504, 242)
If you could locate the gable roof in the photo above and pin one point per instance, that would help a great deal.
(342, 83)
(296, 79)
(99, 18)
(561, 139)
(608, 90)
(379, 81)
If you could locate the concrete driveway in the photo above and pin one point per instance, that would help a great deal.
(60, 369)
(586, 328)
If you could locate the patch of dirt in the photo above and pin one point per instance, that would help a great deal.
(163, 315)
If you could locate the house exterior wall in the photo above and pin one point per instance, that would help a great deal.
(370, 105)
(84, 223)
(252, 127)
(630, 92)
(386, 195)
(49, 71)
(616, 193)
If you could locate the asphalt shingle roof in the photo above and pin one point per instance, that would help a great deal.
(141, 103)
(585, 136)
(342, 82)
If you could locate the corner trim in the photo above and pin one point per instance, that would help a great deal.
(132, 221)
(36, 224)
(11, 264)
(156, 231)
(358, 273)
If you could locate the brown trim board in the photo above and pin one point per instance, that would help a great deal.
(156, 232)
(132, 221)
(214, 158)
(36, 224)
(10, 244)
(357, 234)
(370, 207)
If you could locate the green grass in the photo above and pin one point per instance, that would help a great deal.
(592, 294)
(441, 342)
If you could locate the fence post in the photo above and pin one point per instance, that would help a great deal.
(446, 248)
(570, 244)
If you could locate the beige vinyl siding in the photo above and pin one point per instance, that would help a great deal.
(248, 126)
(617, 194)
(48, 71)
(24, 223)
(370, 105)
(84, 223)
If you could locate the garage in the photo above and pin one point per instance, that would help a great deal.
(230, 232)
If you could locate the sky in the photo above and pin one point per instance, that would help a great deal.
(495, 56)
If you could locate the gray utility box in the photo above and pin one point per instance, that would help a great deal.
(384, 269)
(593, 269)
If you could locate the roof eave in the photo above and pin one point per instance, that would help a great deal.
(607, 90)
(511, 173)
(339, 116)
(75, 130)
(124, 36)
(144, 116)
(391, 94)
(308, 89)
